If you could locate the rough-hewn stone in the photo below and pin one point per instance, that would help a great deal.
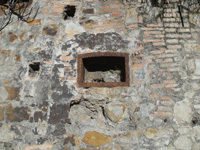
(2, 109)
(115, 112)
(17, 114)
(50, 30)
(96, 139)
(183, 112)
(13, 93)
(59, 114)
(183, 142)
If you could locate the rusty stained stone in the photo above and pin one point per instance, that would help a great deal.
(17, 114)
(13, 93)
(21, 36)
(13, 37)
(2, 109)
(17, 57)
(89, 24)
(96, 139)
(6, 52)
(50, 30)
(34, 22)
(59, 114)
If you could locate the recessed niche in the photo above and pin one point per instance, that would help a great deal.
(34, 69)
(69, 11)
(106, 69)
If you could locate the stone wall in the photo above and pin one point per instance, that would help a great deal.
(46, 109)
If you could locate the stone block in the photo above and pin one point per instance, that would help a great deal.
(59, 114)
(89, 24)
(13, 93)
(6, 133)
(131, 16)
(197, 64)
(115, 112)
(17, 114)
(34, 22)
(183, 112)
(192, 47)
(183, 143)
(50, 30)
(38, 116)
(13, 37)
(2, 113)
(96, 139)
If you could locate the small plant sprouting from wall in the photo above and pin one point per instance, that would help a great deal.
(19, 8)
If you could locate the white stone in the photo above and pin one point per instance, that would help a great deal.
(131, 16)
(184, 130)
(197, 71)
(115, 111)
(6, 133)
(3, 93)
(73, 28)
(183, 143)
(183, 112)
(196, 132)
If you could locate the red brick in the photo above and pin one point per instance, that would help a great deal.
(110, 10)
(154, 96)
(169, 81)
(163, 114)
(165, 98)
(156, 86)
(116, 15)
(164, 109)
(64, 58)
(138, 66)
(171, 85)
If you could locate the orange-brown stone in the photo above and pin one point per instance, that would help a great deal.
(89, 24)
(34, 22)
(2, 113)
(5, 52)
(96, 139)
(13, 37)
(50, 30)
(13, 93)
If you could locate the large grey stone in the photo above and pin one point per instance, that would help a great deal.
(6, 133)
(197, 71)
(115, 111)
(183, 143)
(131, 15)
(183, 112)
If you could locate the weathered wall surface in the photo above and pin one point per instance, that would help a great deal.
(159, 110)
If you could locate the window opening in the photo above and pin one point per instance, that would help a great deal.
(103, 69)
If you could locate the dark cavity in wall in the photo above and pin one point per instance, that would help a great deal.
(154, 3)
(34, 69)
(69, 11)
(104, 69)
